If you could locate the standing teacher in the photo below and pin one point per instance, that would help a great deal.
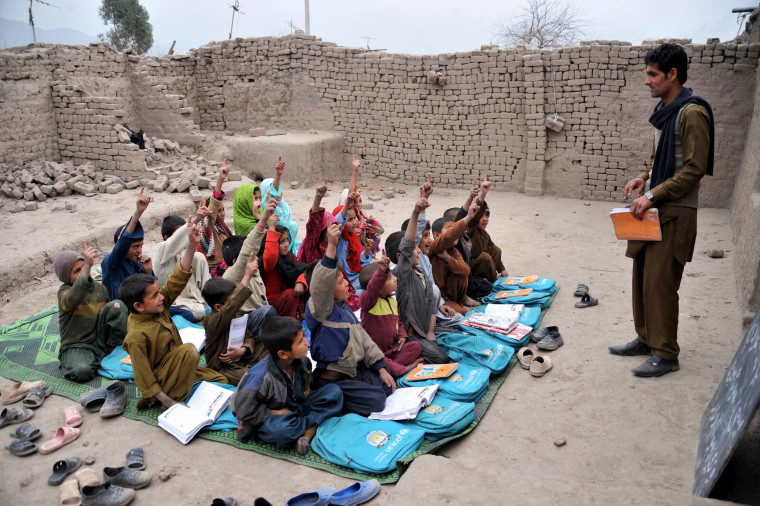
(682, 154)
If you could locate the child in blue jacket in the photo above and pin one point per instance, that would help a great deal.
(345, 354)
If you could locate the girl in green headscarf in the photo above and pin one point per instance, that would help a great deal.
(246, 208)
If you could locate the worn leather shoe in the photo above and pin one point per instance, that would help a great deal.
(116, 400)
(94, 399)
(656, 366)
(631, 349)
(106, 494)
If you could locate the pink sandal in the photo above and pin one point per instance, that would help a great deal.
(63, 436)
(73, 418)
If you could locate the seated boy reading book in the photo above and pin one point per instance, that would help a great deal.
(225, 300)
(273, 402)
(344, 352)
(164, 368)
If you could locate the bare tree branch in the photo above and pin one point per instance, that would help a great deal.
(542, 24)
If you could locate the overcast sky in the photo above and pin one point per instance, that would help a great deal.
(400, 26)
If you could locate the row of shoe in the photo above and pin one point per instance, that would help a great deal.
(116, 488)
(358, 493)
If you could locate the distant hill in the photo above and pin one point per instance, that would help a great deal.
(19, 33)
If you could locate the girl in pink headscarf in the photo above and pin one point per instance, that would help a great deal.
(314, 245)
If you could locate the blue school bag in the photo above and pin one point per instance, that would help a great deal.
(466, 384)
(479, 350)
(369, 446)
(444, 417)
(226, 420)
(112, 367)
(540, 285)
(543, 299)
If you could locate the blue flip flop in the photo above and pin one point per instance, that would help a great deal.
(319, 497)
(359, 492)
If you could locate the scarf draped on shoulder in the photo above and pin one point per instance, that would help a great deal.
(663, 118)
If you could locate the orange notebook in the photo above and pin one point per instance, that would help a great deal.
(629, 228)
(519, 280)
(126, 360)
(513, 293)
(432, 371)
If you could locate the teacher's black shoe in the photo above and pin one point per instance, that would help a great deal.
(656, 366)
(635, 347)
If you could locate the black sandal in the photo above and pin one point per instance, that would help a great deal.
(25, 431)
(21, 447)
(586, 301)
(136, 459)
(36, 397)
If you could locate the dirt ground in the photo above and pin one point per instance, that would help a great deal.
(629, 440)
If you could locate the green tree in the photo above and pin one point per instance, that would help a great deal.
(131, 25)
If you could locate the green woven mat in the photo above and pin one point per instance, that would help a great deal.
(29, 352)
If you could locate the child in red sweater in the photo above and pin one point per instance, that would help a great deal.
(280, 271)
(380, 318)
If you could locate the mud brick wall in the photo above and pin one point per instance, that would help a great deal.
(488, 116)
(27, 126)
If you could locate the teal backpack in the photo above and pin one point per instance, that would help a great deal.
(467, 384)
(369, 446)
(479, 350)
(444, 417)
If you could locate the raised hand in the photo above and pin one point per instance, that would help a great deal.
(193, 231)
(202, 213)
(333, 234)
(427, 188)
(383, 263)
(146, 263)
(224, 170)
(269, 209)
(473, 210)
(280, 167)
(321, 190)
(252, 266)
(421, 205)
(355, 163)
(88, 254)
(142, 201)
(272, 221)
(353, 197)
(485, 186)
(474, 190)
(369, 244)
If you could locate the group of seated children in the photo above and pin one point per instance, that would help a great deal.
(203, 272)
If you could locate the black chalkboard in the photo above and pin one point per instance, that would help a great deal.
(729, 413)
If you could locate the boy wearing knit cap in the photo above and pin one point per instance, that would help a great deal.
(90, 325)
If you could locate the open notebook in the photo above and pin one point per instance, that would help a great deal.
(405, 403)
(204, 407)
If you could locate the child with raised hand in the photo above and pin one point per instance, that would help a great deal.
(126, 258)
(367, 226)
(417, 295)
(280, 270)
(450, 271)
(274, 402)
(380, 318)
(213, 229)
(164, 368)
(225, 300)
(189, 304)
(352, 254)
(250, 246)
(485, 256)
(344, 352)
(314, 244)
(271, 188)
(90, 326)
